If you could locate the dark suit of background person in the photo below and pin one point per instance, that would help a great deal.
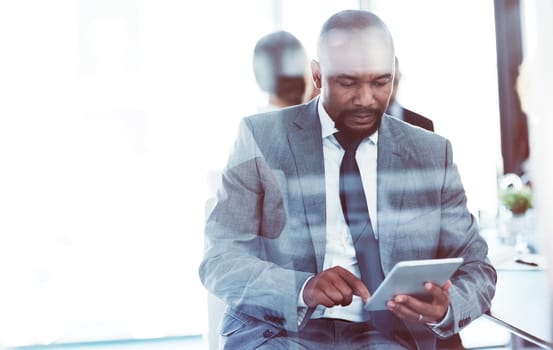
(397, 110)
(266, 238)
(280, 67)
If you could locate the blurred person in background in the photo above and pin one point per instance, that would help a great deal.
(280, 67)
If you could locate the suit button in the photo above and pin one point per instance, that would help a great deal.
(268, 333)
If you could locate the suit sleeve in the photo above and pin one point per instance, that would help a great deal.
(473, 285)
(249, 210)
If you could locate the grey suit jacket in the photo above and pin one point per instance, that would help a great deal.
(267, 232)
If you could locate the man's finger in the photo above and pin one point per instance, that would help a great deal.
(345, 290)
(436, 290)
(439, 294)
(334, 286)
(357, 286)
(326, 300)
(407, 307)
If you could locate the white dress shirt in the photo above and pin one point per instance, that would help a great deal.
(340, 250)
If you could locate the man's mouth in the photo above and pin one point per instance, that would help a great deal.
(363, 117)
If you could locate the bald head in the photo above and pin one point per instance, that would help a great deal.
(357, 29)
(351, 20)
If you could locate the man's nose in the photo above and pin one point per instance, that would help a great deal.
(364, 95)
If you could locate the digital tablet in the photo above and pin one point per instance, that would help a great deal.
(408, 277)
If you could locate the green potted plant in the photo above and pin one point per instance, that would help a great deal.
(517, 200)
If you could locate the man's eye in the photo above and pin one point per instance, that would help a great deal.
(381, 82)
(346, 83)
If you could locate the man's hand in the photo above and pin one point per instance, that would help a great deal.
(334, 286)
(412, 309)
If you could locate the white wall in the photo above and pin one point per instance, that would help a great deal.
(112, 113)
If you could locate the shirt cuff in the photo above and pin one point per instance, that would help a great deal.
(444, 325)
(302, 306)
(301, 302)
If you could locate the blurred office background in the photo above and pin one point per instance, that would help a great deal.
(117, 115)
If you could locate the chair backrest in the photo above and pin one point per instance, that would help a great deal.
(215, 310)
(215, 306)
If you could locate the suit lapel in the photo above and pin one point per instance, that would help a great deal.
(391, 163)
(305, 141)
(304, 137)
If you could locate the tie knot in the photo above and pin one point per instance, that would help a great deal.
(349, 141)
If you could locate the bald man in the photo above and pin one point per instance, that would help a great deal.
(295, 252)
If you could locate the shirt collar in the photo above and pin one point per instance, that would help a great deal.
(327, 124)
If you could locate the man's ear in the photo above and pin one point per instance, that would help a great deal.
(316, 74)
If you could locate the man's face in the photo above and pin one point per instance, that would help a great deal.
(355, 73)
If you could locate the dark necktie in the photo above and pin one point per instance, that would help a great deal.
(356, 214)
